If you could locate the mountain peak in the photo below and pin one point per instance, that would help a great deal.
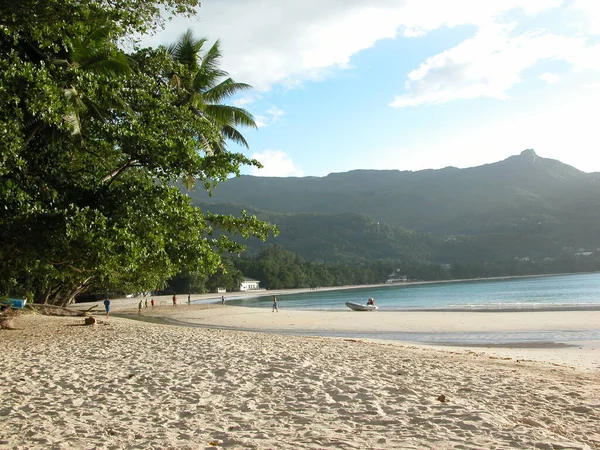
(529, 153)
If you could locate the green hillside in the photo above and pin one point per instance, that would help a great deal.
(522, 207)
(347, 237)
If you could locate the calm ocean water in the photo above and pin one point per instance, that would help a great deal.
(581, 291)
(547, 293)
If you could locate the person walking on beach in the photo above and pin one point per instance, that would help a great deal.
(152, 302)
(189, 299)
(174, 300)
(146, 303)
(107, 307)
(222, 299)
(275, 308)
(140, 307)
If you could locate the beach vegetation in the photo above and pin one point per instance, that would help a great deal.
(97, 141)
(277, 268)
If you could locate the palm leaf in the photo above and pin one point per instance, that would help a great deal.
(211, 60)
(99, 35)
(230, 115)
(202, 78)
(186, 50)
(107, 64)
(224, 89)
(231, 133)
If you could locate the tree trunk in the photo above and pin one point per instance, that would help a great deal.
(61, 295)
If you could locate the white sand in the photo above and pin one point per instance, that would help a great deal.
(582, 355)
(125, 384)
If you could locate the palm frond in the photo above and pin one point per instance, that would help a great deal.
(230, 115)
(232, 134)
(99, 35)
(107, 64)
(224, 89)
(211, 60)
(196, 101)
(186, 50)
(206, 85)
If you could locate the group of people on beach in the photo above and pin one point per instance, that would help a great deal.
(144, 304)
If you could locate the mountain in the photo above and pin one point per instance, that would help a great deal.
(523, 206)
(346, 237)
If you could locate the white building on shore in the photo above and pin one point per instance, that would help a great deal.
(248, 284)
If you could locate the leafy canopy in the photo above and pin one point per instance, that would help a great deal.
(93, 141)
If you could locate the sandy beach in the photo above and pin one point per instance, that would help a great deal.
(582, 355)
(442, 327)
(125, 383)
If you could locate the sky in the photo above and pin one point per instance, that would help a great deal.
(340, 85)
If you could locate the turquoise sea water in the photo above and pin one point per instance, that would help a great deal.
(559, 292)
(545, 293)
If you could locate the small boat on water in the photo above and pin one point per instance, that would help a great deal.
(359, 307)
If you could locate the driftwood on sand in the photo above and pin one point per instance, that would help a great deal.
(7, 317)
(7, 324)
(51, 310)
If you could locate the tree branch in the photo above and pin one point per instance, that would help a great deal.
(115, 173)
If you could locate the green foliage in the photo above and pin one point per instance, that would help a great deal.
(350, 237)
(93, 140)
(186, 282)
(277, 268)
(227, 277)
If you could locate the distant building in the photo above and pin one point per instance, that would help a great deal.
(396, 277)
(400, 279)
(248, 284)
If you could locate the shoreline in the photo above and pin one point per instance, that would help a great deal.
(560, 335)
(132, 302)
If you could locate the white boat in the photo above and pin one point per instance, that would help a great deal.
(359, 307)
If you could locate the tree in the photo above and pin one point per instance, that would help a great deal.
(227, 277)
(207, 86)
(186, 282)
(94, 140)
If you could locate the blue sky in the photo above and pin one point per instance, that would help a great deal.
(409, 84)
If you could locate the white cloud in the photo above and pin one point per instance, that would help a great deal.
(275, 164)
(550, 78)
(590, 13)
(267, 42)
(586, 59)
(244, 101)
(422, 16)
(272, 116)
(487, 65)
